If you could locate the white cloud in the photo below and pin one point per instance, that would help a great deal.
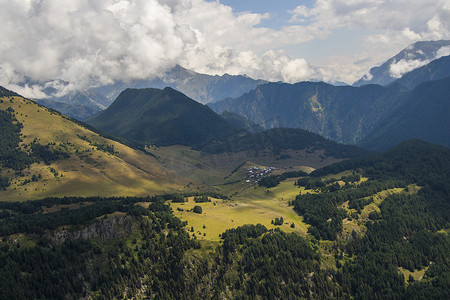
(92, 42)
(404, 66)
(420, 16)
(95, 42)
(444, 51)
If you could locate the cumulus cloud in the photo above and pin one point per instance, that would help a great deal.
(88, 43)
(423, 17)
(93, 42)
(444, 51)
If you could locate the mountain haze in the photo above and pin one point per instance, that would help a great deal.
(241, 122)
(200, 87)
(79, 112)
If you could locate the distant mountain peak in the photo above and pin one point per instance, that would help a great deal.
(412, 57)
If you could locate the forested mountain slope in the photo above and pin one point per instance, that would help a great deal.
(161, 117)
(343, 113)
(423, 114)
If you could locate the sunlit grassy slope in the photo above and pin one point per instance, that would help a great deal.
(88, 171)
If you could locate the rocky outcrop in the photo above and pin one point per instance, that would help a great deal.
(111, 227)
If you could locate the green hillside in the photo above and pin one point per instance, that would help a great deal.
(247, 218)
(161, 117)
(43, 153)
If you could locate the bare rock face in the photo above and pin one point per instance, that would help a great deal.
(112, 227)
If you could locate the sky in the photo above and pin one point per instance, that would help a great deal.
(94, 42)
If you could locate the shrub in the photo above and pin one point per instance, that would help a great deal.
(197, 209)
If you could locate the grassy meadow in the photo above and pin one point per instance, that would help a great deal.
(252, 206)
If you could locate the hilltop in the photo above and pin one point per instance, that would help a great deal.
(44, 153)
(161, 117)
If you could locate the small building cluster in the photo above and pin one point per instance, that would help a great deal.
(254, 174)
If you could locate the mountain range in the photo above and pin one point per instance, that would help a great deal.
(44, 153)
(167, 117)
(202, 226)
(208, 89)
(423, 114)
(354, 114)
(343, 114)
(200, 87)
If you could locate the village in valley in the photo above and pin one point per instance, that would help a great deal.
(254, 174)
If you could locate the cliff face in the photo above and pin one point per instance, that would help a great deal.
(112, 227)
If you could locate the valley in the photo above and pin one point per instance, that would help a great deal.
(160, 197)
(367, 221)
(96, 166)
(224, 149)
